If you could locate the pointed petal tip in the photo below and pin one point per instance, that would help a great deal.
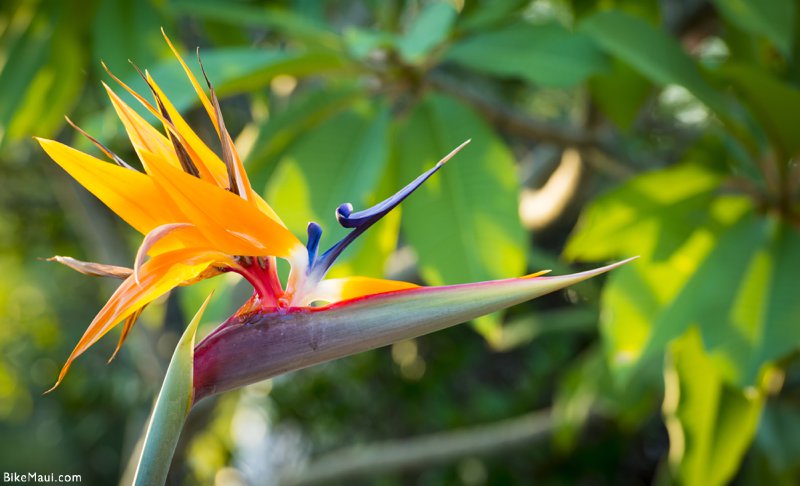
(600, 270)
(453, 153)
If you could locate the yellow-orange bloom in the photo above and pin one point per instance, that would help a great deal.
(198, 213)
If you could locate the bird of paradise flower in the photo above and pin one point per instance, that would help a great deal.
(200, 217)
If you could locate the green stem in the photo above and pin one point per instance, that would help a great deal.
(170, 411)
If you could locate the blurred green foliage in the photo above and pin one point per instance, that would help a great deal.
(684, 117)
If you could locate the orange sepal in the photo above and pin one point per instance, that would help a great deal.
(157, 276)
(230, 223)
(132, 195)
(144, 138)
(197, 88)
(210, 165)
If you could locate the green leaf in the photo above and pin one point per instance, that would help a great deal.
(170, 411)
(123, 30)
(707, 298)
(776, 104)
(39, 78)
(238, 69)
(428, 30)
(340, 161)
(463, 222)
(295, 26)
(546, 55)
(652, 52)
(620, 93)
(763, 316)
(635, 298)
(651, 215)
(774, 20)
(778, 435)
(710, 425)
(740, 299)
(231, 70)
(286, 127)
(485, 14)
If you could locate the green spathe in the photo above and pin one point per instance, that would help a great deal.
(253, 347)
(170, 411)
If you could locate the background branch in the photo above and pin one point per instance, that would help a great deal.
(419, 452)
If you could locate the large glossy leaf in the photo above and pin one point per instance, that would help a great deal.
(763, 316)
(774, 20)
(672, 235)
(463, 222)
(170, 411)
(288, 125)
(708, 295)
(39, 78)
(123, 30)
(620, 93)
(651, 215)
(287, 21)
(710, 424)
(652, 52)
(340, 161)
(778, 437)
(238, 69)
(546, 55)
(775, 103)
(429, 29)
(231, 70)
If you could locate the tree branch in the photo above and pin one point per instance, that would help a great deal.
(419, 452)
(508, 120)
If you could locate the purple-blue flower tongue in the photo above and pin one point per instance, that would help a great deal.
(360, 221)
(314, 234)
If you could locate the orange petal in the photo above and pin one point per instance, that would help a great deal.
(132, 195)
(126, 328)
(197, 88)
(144, 138)
(157, 277)
(192, 238)
(338, 289)
(210, 166)
(221, 215)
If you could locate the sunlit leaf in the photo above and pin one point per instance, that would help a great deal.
(651, 215)
(707, 296)
(238, 69)
(289, 125)
(340, 161)
(463, 222)
(710, 424)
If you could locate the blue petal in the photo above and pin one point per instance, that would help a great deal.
(360, 221)
(314, 234)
